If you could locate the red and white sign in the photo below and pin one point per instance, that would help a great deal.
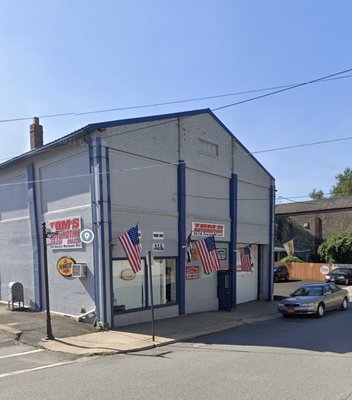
(204, 229)
(65, 233)
(192, 272)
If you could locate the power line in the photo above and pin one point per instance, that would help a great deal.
(301, 145)
(281, 89)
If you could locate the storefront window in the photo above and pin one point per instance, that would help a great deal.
(164, 281)
(131, 291)
(129, 288)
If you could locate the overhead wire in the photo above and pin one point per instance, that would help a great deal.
(285, 88)
(281, 88)
(328, 77)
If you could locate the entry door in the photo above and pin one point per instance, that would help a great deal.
(224, 290)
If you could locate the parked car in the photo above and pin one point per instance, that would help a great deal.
(281, 272)
(339, 275)
(314, 299)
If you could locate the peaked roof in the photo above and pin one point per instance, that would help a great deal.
(83, 133)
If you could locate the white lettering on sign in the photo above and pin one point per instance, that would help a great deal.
(204, 229)
(158, 236)
(158, 247)
(67, 233)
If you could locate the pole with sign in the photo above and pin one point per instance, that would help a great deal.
(45, 235)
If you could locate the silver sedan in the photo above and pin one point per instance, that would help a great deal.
(314, 299)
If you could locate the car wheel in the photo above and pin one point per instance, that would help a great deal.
(320, 310)
(286, 278)
(344, 304)
(286, 315)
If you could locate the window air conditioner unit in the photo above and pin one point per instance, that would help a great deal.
(79, 270)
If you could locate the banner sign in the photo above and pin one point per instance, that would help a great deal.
(66, 233)
(204, 229)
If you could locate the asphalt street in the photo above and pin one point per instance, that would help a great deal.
(277, 359)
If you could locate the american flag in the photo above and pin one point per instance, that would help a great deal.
(130, 244)
(246, 260)
(189, 248)
(208, 255)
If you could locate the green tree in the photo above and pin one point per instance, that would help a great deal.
(337, 248)
(316, 194)
(343, 185)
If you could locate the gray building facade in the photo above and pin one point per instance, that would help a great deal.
(172, 175)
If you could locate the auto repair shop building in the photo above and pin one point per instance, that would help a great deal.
(170, 174)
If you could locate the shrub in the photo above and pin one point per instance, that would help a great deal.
(290, 259)
(337, 248)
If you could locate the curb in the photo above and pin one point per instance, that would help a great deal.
(14, 333)
(204, 332)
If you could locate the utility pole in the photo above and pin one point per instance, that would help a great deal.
(45, 235)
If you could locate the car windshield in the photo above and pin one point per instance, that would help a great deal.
(309, 291)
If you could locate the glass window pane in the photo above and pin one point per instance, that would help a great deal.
(129, 288)
(164, 281)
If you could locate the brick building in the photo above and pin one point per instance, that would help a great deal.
(310, 223)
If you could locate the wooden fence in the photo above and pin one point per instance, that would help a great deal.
(308, 271)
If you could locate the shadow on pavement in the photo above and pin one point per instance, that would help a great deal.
(329, 334)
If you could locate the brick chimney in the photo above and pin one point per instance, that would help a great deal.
(36, 132)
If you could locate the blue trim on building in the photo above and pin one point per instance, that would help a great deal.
(141, 120)
(181, 262)
(233, 239)
(101, 228)
(81, 134)
(271, 241)
(95, 226)
(35, 236)
(108, 191)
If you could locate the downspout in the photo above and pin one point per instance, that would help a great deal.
(181, 204)
(233, 240)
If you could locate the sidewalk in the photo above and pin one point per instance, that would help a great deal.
(83, 339)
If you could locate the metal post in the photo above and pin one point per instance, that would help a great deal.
(151, 291)
(49, 334)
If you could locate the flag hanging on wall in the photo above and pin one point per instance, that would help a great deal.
(246, 260)
(189, 248)
(208, 255)
(130, 243)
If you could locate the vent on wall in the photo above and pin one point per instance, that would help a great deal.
(208, 148)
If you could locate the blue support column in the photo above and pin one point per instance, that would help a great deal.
(101, 230)
(233, 240)
(35, 236)
(181, 202)
(95, 226)
(271, 242)
(108, 190)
